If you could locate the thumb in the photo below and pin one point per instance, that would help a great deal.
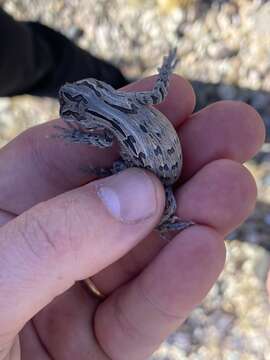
(71, 237)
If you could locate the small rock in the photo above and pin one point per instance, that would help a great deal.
(74, 33)
(220, 51)
(5, 104)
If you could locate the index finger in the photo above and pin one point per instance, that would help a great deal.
(35, 167)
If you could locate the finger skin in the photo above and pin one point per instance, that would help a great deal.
(46, 249)
(31, 346)
(5, 217)
(65, 327)
(226, 129)
(48, 166)
(135, 319)
(221, 195)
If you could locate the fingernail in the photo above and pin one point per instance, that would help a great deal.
(129, 196)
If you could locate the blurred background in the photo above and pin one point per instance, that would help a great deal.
(224, 47)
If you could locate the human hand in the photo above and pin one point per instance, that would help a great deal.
(56, 231)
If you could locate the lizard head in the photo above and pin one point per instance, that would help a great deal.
(89, 93)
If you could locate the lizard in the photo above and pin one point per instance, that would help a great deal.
(97, 114)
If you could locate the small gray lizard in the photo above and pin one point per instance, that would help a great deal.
(96, 114)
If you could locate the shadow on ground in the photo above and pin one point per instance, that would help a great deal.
(207, 93)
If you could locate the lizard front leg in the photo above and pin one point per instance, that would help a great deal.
(102, 139)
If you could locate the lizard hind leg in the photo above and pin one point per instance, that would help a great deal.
(160, 90)
(169, 221)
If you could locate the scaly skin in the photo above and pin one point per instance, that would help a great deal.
(97, 114)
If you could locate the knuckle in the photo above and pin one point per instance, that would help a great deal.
(42, 235)
(158, 308)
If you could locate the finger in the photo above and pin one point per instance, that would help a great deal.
(57, 334)
(31, 345)
(5, 217)
(227, 129)
(221, 195)
(135, 319)
(50, 166)
(73, 236)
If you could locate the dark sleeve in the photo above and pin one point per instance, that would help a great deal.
(24, 58)
(37, 60)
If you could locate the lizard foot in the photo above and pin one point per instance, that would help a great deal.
(118, 166)
(169, 221)
(174, 224)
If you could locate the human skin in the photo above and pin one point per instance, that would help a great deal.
(59, 226)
